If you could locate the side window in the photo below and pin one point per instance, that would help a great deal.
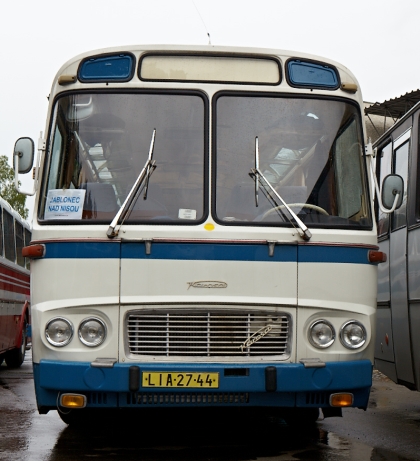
(56, 149)
(348, 153)
(385, 158)
(28, 237)
(19, 244)
(399, 218)
(9, 236)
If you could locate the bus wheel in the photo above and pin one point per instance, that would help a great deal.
(1, 358)
(15, 357)
(301, 417)
(74, 418)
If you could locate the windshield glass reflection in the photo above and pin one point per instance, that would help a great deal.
(310, 152)
(100, 143)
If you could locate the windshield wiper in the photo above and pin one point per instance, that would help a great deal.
(256, 173)
(142, 181)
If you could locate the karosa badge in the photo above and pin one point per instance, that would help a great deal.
(207, 284)
(255, 337)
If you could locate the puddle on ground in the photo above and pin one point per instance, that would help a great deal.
(176, 439)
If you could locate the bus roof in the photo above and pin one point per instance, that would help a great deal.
(67, 76)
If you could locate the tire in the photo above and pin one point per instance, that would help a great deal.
(1, 358)
(15, 357)
(302, 417)
(73, 418)
(82, 417)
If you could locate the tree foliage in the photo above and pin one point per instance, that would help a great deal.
(7, 188)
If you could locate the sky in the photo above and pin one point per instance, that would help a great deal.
(378, 40)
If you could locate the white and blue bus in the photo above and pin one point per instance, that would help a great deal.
(203, 234)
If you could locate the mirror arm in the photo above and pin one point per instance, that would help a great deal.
(378, 195)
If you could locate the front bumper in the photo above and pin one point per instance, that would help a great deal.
(251, 385)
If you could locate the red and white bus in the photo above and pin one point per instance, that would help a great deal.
(14, 286)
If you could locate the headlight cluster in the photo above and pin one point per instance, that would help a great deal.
(59, 331)
(322, 334)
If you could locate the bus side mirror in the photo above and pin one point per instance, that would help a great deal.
(392, 192)
(24, 153)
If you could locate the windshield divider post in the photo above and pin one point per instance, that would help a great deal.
(257, 166)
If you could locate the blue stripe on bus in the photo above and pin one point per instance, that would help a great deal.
(210, 252)
(174, 251)
(333, 254)
(82, 250)
(207, 252)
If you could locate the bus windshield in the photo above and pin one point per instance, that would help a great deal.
(310, 153)
(100, 143)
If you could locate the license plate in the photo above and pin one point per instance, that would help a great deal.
(180, 379)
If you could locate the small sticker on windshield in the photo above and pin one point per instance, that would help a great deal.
(65, 204)
(185, 213)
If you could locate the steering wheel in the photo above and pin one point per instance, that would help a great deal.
(301, 205)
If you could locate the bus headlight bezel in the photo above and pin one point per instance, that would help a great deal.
(363, 336)
(69, 334)
(329, 330)
(100, 339)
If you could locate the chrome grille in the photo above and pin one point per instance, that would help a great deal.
(208, 334)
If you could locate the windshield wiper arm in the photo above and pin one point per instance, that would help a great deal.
(304, 232)
(142, 179)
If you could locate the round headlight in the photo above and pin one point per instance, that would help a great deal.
(92, 332)
(353, 335)
(59, 331)
(321, 334)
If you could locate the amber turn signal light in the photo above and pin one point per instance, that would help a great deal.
(73, 401)
(33, 251)
(341, 400)
(376, 257)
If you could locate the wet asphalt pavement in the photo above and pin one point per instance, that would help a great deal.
(388, 431)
